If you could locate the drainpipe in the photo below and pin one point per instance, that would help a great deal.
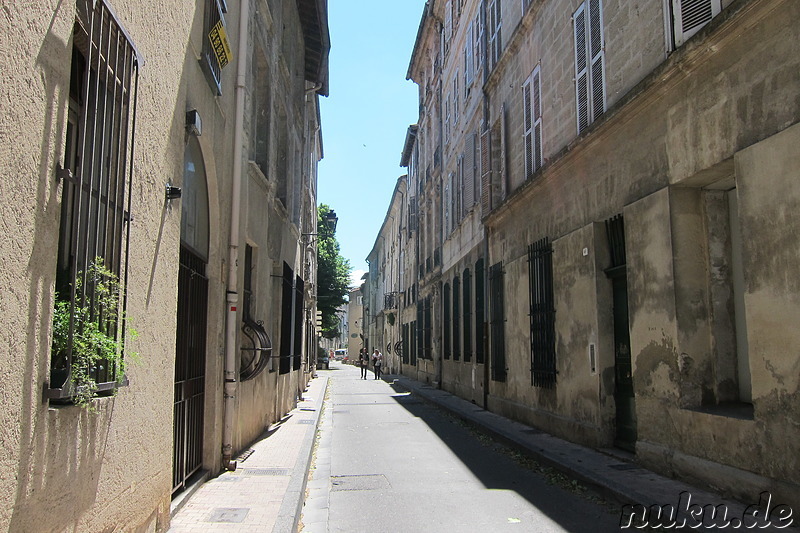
(232, 296)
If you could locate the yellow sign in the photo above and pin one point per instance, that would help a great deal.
(219, 42)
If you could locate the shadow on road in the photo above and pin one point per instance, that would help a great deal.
(498, 467)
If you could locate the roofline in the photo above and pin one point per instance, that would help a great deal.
(427, 10)
(402, 179)
(411, 139)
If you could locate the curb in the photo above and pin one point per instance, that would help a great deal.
(289, 516)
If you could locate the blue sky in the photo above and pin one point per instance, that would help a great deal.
(366, 116)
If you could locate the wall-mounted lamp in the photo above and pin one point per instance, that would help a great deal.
(194, 126)
(172, 192)
(329, 222)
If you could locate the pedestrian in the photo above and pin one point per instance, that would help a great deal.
(363, 360)
(377, 359)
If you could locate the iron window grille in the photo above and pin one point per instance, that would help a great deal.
(497, 333)
(215, 10)
(287, 300)
(456, 319)
(97, 179)
(299, 307)
(480, 312)
(446, 322)
(542, 314)
(427, 330)
(467, 281)
(390, 300)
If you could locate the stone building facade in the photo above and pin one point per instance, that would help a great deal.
(610, 187)
(189, 167)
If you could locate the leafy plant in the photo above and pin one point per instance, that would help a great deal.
(98, 344)
(333, 276)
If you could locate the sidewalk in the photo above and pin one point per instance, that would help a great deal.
(266, 491)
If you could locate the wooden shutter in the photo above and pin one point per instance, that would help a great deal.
(469, 65)
(536, 94)
(581, 68)
(486, 173)
(691, 16)
(468, 183)
(597, 55)
(527, 114)
(532, 115)
(448, 22)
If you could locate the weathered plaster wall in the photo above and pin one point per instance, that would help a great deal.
(67, 468)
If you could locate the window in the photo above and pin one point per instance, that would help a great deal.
(448, 25)
(299, 289)
(213, 37)
(494, 20)
(542, 314)
(532, 116)
(97, 174)
(456, 319)
(469, 64)
(480, 312)
(589, 62)
(478, 56)
(455, 101)
(691, 15)
(467, 341)
(446, 322)
(261, 98)
(287, 315)
(498, 322)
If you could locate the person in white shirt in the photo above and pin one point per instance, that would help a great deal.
(377, 359)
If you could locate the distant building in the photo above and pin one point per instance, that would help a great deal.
(355, 315)
(603, 196)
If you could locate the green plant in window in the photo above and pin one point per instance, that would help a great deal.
(98, 345)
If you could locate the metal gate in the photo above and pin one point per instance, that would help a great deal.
(190, 368)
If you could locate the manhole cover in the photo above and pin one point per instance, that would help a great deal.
(267, 471)
(228, 516)
(368, 482)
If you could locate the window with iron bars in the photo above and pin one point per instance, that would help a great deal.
(498, 322)
(446, 322)
(215, 10)
(467, 281)
(456, 319)
(96, 176)
(480, 312)
(287, 316)
(542, 314)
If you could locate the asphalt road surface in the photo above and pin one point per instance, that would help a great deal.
(386, 461)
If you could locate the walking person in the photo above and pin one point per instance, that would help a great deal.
(377, 360)
(363, 360)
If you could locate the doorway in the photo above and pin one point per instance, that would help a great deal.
(190, 345)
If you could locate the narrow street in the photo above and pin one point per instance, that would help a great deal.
(388, 461)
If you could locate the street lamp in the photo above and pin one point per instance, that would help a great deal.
(329, 222)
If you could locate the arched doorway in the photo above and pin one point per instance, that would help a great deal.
(190, 346)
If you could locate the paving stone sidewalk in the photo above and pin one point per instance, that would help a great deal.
(266, 491)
